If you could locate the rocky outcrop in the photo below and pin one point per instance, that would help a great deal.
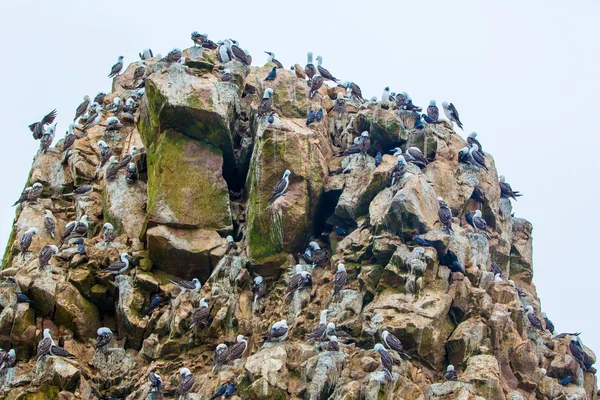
(207, 164)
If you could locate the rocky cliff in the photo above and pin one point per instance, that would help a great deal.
(206, 166)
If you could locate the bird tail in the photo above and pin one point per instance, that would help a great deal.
(460, 125)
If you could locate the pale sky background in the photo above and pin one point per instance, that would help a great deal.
(524, 75)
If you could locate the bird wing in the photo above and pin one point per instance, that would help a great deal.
(45, 255)
(60, 352)
(355, 89)
(364, 144)
(279, 332)
(67, 232)
(114, 267)
(454, 112)
(310, 70)
(576, 351)
(239, 54)
(49, 118)
(386, 360)
(103, 339)
(535, 321)
(68, 142)
(25, 241)
(116, 68)
(316, 83)
(153, 379)
(433, 112)
(200, 315)
(339, 281)
(265, 105)
(480, 223)
(90, 120)
(294, 283)
(319, 256)
(394, 343)
(236, 351)
(43, 347)
(333, 346)
(279, 187)
(111, 171)
(417, 155)
(317, 332)
(445, 215)
(81, 109)
(186, 384)
(326, 74)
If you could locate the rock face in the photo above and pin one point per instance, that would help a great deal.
(207, 165)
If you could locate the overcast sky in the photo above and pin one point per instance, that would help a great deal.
(524, 75)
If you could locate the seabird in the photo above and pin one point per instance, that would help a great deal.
(99, 99)
(577, 352)
(231, 245)
(494, 268)
(115, 107)
(549, 324)
(226, 75)
(82, 108)
(80, 246)
(113, 124)
(46, 346)
(318, 332)
(498, 278)
(533, 319)
(239, 54)
(198, 38)
(418, 122)
(8, 361)
(194, 285)
(279, 332)
(47, 138)
(445, 215)
(378, 159)
(146, 54)
(270, 119)
(309, 69)
(477, 157)
(139, 72)
(452, 114)
(130, 106)
(410, 106)
(140, 93)
(223, 52)
(131, 175)
(333, 344)
(456, 267)
(186, 382)
(281, 186)
(340, 104)
(209, 44)
(26, 239)
(422, 242)
(384, 359)
(416, 157)
(116, 69)
(237, 349)
(354, 90)
(340, 279)
(49, 223)
(230, 390)
(109, 232)
(433, 112)
(200, 316)
(105, 335)
(220, 392)
(319, 114)
(364, 143)
(37, 128)
(506, 191)
(259, 288)
(272, 75)
(24, 196)
(265, 104)
(35, 193)
(401, 100)
(428, 119)
(451, 374)
(317, 254)
(393, 343)
(469, 219)
(22, 298)
(299, 280)
(315, 83)
(112, 168)
(310, 118)
(385, 96)
(94, 119)
(324, 73)
(338, 333)
(80, 190)
(472, 140)
(222, 353)
(173, 56)
(118, 267)
(155, 382)
(154, 303)
(354, 149)
(479, 222)
(70, 138)
(127, 159)
(565, 381)
(373, 100)
(273, 60)
(46, 254)
(464, 157)
(399, 169)
(67, 232)
(478, 195)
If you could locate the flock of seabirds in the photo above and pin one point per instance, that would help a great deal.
(90, 113)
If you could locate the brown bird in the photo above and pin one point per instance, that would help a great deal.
(310, 69)
(445, 215)
(265, 104)
(37, 128)
(82, 108)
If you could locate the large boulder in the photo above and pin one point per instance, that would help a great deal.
(76, 312)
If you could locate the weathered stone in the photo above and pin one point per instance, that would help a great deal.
(483, 373)
(76, 312)
(465, 341)
(56, 371)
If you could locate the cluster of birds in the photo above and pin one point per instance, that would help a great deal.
(90, 113)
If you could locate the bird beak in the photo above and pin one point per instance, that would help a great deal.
(329, 311)
(130, 258)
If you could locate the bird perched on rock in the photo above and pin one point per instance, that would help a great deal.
(220, 392)
(340, 104)
(8, 361)
(354, 90)
(49, 223)
(105, 335)
(99, 99)
(418, 122)
(112, 168)
(194, 285)
(494, 268)
(47, 138)
(46, 254)
(173, 56)
(478, 195)
(186, 382)
(318, 332)
(272, 59)
(281, 186)
(154, 303)
(116, 69)
(24, 196)
(354, 149)
(231, 245)
(313, 251)
(259, 288)
(128, 157)
(385, 96)
(35, 193)
(278, 333)
(26, 239)
(565, 381)
(265, 104)
(415, 156)
(310, 118)
(445, 215)
(464, 157)
(131, 175)
(315, 84)
(339, 333)
(393, 343)
(399, 170)
(80, 246)
(46, 346)
(237, 350)
(472, 140)
(155, 382)
(198, 38)
(477, 157)
(533, 319)
(469, 219)
(333, 344)
(309, 69)
(118, 267)
(80, 191)
(226, 75)
(270, 118)
(113, 124)
(94, 119)
(299, 280)
(385, 360)
(324, 73)
(109, 232)
(272, 75)
(200, 316)
(378, 159)
(83, 107)
(479, 223)
(576, 350)
(451, 374)
(319, 114)
(422, 242)
(428, 119)
(452, 114)
(433, 112)
(455, 266)
(549, 324)
(22, 298)
(37, 128)
(146, 54)
(139, 72)
(364, 143)
(506, 190)
(340, 279)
